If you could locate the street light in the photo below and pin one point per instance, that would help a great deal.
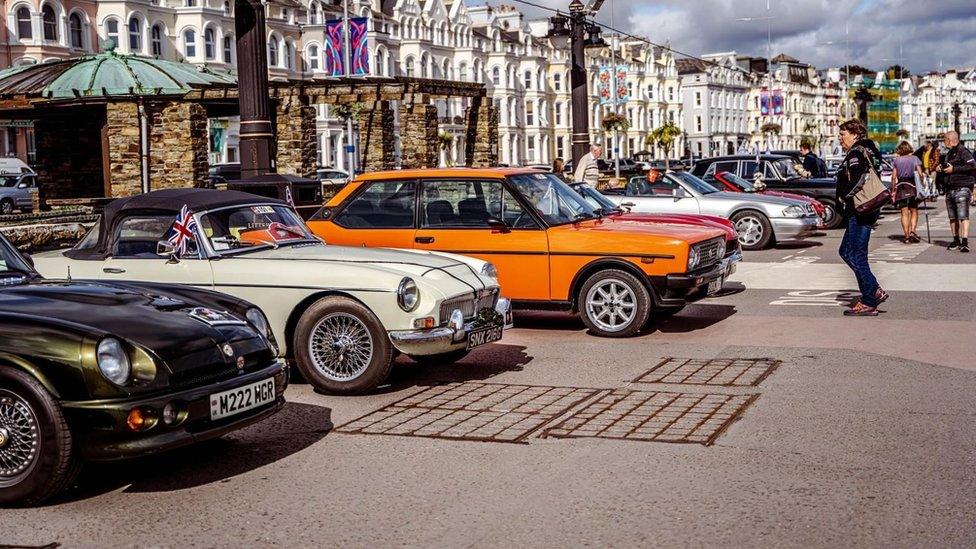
(769, 61)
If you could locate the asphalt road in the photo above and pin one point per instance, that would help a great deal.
(863, 436)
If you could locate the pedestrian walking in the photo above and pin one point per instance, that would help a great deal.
(906, 180)
(928, 154)
(862, 155)
(588, 170)
(958, 169)
(812, 163)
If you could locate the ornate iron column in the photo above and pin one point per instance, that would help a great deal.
(252, 89)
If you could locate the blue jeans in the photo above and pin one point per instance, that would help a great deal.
(854, 252)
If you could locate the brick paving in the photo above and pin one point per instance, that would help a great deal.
(654, 416)
(728, 372)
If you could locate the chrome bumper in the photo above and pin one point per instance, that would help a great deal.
(450, 338)
(793, 228)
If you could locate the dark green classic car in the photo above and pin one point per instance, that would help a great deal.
(92, 371)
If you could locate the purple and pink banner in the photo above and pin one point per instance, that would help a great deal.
(358, 45)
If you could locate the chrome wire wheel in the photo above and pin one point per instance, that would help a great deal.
(20, 438)
(341, 347)
(750, 230)
(611, 305)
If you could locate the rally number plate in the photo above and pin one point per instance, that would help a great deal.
(484, 336)
(235, 401)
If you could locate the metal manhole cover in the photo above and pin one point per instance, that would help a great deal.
(654, 416)
(490, 412)
(728, 372)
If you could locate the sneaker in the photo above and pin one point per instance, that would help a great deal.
(953, 245)
(881, 296)
(964, 249)
(913, 238)
(861, 310)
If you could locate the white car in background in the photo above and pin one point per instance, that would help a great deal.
(340, 313)
(760, 220)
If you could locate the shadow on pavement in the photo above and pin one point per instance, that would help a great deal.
(730, 288)
(482, 364)
(291, 430)
(693, 318)
(798, 244)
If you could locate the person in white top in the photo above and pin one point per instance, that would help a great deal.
(588, 170)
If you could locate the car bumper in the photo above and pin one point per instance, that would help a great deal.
(100, 429)
(445, 339)
(677, 290)
(794, 228)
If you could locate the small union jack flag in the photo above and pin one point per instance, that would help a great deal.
(182, 230)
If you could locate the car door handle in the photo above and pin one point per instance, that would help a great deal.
(113, 270)
(627, 204)
(424, 239)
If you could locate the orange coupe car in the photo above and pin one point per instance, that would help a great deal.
(548, 246)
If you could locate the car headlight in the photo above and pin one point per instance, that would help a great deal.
(793, 211)
(694, 258)
(113, 361)
(408, 295)
(489, 270)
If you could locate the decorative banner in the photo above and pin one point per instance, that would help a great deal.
(778, 102)
(333, 48)
(764, 102)
(605, 84)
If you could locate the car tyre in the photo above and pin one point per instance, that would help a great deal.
(341, 347)
(614, 294)
(755, 230)
(32, 423)
(834, 219)
(6, 206)
(449, 357)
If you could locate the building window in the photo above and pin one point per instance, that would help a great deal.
(698, 99)
(698, 123)
(135, 35)
(50, 23)
(463, 72)
(670, 93)
(313, 57)
(529, 113)
(112, 31)
(209, 43)
(423, 66)
(496, 76)
(558, 114)
(557, 82)
(191, 3)
(273, 52)
(74, 31)
(528, 80)
(408, 67)
(24, 29)
(190, 42)
(228, 49)
(288, 55)
(156, 41)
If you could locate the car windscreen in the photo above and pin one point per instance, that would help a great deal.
(232, 230)
(785, 168)
(552, 199)
(696, 184)
(11, 261)
(594, 198)
(739, 182)
(8, 182)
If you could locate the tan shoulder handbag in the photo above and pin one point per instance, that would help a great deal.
(870, 194)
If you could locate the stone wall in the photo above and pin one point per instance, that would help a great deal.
(376, 139)
(178, 145)
(125, 162)
(481, 141)
(295, 149)
(419, 147)
(69, 153)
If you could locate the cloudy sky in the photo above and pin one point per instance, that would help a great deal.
(926, 33)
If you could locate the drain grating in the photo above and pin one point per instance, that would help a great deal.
(729, 372)
(654, 416)
(490, 412)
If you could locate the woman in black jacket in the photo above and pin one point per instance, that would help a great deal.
(862, 155)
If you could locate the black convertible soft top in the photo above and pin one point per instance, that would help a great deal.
(162, 202)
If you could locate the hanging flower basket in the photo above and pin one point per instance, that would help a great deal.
(771, 127)
(613, 121)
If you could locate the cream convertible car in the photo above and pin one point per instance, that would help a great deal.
(341, 313)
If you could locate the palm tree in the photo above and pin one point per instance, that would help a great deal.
(664, 136)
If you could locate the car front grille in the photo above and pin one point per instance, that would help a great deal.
(469, 304)
(711, 252)
(214, 372)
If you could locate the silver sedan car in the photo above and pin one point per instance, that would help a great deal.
(761, 220)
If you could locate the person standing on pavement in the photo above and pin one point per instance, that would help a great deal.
(588, 170)
(811, 162)
(861, 155)
(928, 153)
(958, 170)
(906, 167)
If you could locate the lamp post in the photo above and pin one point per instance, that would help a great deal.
(252, 86)
(769, 62)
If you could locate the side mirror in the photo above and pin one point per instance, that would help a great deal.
(23, 185)
(498, 226)
(165, 248)
(679, 193)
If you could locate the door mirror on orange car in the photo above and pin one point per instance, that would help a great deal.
(498, 226)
